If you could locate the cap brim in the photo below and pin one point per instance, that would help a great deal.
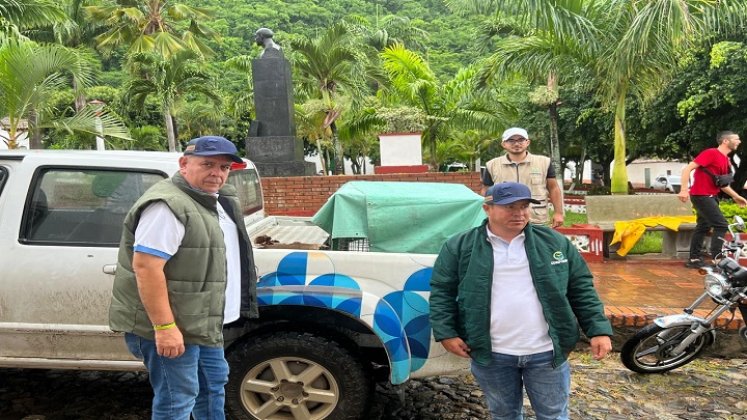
(233, 157)
(513, 200)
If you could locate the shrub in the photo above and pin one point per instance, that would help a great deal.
(599, 190)
(730, 209)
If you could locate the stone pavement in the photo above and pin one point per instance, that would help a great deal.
(707, 388)
(634, 290)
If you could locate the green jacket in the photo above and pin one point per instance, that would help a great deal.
(461, 290)
(195, 274)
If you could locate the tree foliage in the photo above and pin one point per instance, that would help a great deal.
(19, 16)
(30, 74)
(169, 80)
(457, 104)
(672, 72)
(146, 26)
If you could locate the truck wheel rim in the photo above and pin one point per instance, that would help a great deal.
(289, 388)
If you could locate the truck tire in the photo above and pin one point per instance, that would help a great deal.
(293, 375)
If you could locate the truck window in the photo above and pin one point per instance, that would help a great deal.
(81, 206)
(246, 182)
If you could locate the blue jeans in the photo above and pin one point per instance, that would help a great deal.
(192, 383)
(502, 381)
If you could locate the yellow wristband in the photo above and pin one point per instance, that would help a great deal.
(160, 327)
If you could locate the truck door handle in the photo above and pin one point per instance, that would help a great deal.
(109, 269)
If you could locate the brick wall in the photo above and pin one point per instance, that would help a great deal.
(304, 195)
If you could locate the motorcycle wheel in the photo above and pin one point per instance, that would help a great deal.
(649, 350)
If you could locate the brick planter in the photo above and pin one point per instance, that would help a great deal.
(304, 195)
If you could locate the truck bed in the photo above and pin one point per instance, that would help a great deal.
(287, 232)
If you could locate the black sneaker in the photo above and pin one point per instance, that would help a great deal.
(696, 263)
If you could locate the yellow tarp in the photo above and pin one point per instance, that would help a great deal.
(628, 232)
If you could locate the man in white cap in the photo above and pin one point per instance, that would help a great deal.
(534, 171)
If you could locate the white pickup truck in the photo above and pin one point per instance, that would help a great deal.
(331, 322)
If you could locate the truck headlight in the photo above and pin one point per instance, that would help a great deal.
(715, 284)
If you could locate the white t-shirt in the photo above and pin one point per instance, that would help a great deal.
(160, 233)
(517, 323)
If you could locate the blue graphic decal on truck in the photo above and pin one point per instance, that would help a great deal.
(400, 318)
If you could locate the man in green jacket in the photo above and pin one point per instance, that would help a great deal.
(511, 296)
(185, 269)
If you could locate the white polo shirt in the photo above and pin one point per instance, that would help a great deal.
(160, 233)
(517, 323)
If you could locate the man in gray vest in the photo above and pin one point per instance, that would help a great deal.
(534, 171)
(185, 269)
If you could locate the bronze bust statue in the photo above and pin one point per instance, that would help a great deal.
(263, 38)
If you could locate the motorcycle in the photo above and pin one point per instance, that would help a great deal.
(673, 341)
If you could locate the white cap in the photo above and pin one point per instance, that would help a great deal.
(513, 131)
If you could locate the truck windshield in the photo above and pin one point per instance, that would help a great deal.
(246, 182)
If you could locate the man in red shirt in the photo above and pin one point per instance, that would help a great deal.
(704, 195)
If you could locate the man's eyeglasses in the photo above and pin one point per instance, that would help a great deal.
(515, 141)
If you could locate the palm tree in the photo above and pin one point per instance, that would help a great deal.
(169, 80)
(146, 26)
(516, 37)
(309, 118)
(359, 132)
(630, 47)
(18, 16)
(455, 104)
(532, 46)
(30, 74)
(473, 143)
(199, 118)
(76, 31)
(329, 65)
(385, 31)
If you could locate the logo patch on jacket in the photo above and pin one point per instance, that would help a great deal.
(559, 258)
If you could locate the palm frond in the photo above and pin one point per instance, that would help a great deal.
(241, 63)
(29, 14)
(85, 121)
(361, 123)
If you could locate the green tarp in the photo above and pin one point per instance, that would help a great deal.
(414, 217)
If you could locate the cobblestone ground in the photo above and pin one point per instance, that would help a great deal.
(705, 389)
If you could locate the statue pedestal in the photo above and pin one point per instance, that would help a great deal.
(272, 144)
(283, 169)
(273, 97)
(279, 156)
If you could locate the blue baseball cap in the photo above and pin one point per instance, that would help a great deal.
(507, 193)
(212, 146)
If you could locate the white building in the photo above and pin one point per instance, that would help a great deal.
(640, 172)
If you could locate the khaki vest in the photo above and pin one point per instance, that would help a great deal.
(532, 172)
(195, 275)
